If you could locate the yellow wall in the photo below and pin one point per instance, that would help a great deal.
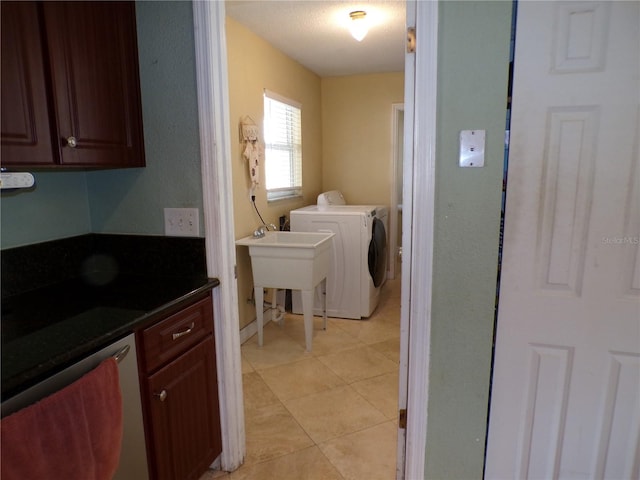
(253, 66)
(357, 134)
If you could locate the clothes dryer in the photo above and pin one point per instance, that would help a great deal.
(359, 262)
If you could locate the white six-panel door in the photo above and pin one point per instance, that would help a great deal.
(566, 383)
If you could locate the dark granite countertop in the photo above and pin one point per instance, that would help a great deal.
(47, 329)
(65, 299)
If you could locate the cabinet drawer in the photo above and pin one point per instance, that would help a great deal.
(174, 335)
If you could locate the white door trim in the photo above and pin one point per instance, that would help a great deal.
(394, 203)
(417, 230)
(213, 110)
(417, 243)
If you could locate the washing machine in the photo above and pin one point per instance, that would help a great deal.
(358, 267)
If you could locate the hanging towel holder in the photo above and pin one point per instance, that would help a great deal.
(249, 134)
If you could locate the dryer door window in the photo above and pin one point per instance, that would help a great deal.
(378, 253)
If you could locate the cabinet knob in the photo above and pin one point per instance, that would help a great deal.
(162, 395)
(72, 142)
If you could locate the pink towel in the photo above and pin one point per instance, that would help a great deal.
(75, 433)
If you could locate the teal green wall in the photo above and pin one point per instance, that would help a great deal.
(133, 201)
(473, 64)
(57, 207)
(65, 204)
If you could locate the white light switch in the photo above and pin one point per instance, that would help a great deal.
(472, 148)
(181, 222)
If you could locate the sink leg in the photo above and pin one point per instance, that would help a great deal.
(307, 309)
(259, 294)
(323, 287)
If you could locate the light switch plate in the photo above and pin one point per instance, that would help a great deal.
(472, 148)
(181, 222)
(10, 180)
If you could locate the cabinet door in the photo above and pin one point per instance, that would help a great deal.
(93, 57)
(26, 133)
(184, 410)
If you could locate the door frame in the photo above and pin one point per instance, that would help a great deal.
(418, 210)
(395, 203)
(215, 138)
(417, 241)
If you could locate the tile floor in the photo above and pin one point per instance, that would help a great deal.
(329, 414)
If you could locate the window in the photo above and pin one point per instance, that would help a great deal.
(283, 147)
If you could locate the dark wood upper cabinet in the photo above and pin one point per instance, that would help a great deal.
(26, 130)
(83, 79)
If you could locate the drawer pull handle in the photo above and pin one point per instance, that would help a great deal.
(162, 395)
(175, 336)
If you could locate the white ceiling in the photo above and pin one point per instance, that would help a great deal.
(315, 34)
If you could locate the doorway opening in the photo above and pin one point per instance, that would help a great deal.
(209, 21)
(355, 352)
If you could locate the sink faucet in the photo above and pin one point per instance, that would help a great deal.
(263, 229)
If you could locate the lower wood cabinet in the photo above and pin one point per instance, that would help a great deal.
(180, 394)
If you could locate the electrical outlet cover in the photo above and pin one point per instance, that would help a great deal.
(472, 148)
(181, 222)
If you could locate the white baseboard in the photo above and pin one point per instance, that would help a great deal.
(249, 331)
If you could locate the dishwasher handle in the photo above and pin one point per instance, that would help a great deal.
(122, 353)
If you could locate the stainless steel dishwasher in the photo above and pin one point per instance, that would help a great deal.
(133, 456)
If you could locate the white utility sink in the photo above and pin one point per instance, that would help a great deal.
(290, 260)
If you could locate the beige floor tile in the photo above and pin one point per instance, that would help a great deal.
(370, 331)
(358, 363)
(337, 321)
(215, 475)
(300, 379)
(334, 340)
(390, 296)
(391, 289)
(271, 432)
(388, 313)
(271, 330)
(367, 454)
(389, 348)
(324, 341)
(381, 392)
(256, 392)
(293, 326)
(334, 413)
(307, 464)
(294, 398)
(246, 366)
(277, 349)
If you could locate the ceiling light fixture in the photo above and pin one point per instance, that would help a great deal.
(359, 25)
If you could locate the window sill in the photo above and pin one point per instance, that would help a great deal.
(284, 197)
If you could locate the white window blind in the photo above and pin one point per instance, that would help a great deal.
(283, 146)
